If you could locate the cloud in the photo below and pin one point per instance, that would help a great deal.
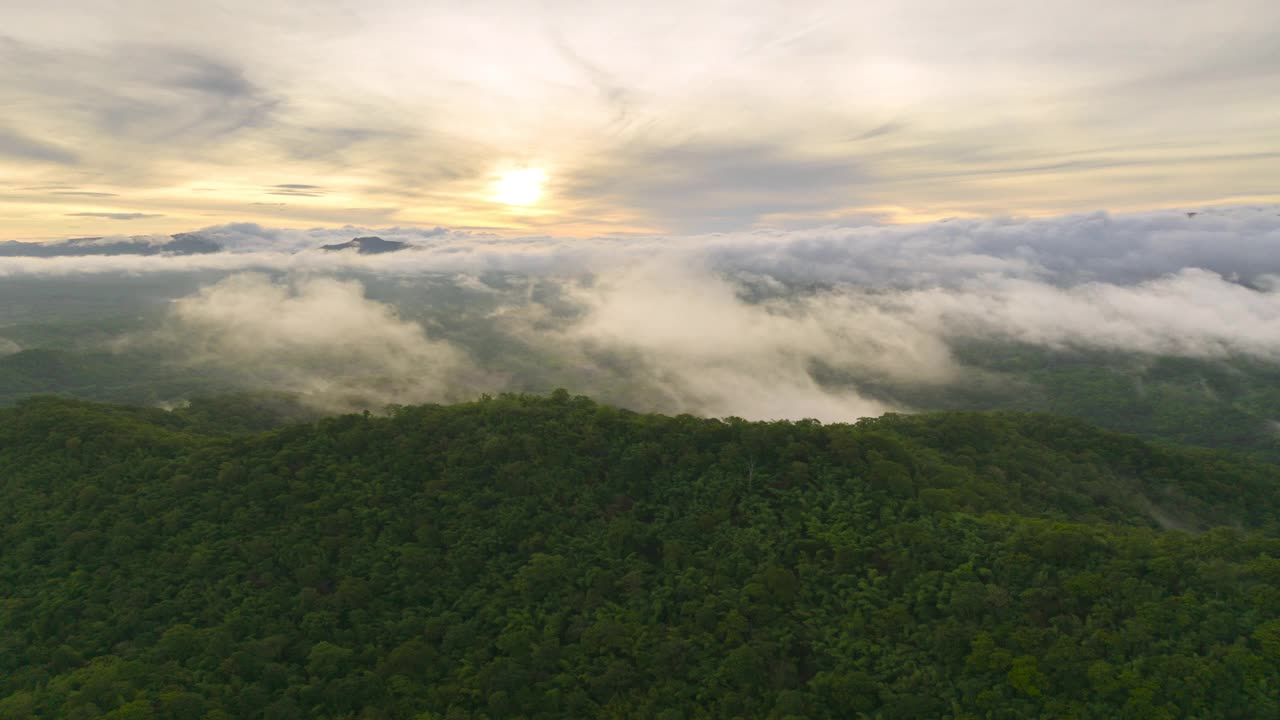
(85, 193)
(691, 337)
(115, 216)
(171, 90)
(700, 187)
(882, 129)
(22, 147)
(135, 111)
(1234, 242)
(610, 90)
(180, 95)
(688, 334)
(1192, 313)
(317, 336)
(828, 323)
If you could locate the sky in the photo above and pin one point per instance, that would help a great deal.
(596, 119)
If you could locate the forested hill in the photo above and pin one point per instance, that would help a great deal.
(550, 557)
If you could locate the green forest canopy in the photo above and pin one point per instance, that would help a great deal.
(548, 557)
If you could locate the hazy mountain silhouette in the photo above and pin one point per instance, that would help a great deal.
(368, 245)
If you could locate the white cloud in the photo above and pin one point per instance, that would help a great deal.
(712, 353)
(1193, 313)
(318, 336)
(689, 333)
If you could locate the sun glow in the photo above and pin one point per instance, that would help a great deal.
(519, 187)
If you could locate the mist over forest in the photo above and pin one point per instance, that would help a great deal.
(1151, 312)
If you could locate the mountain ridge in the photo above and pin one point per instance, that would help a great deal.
(177, 244)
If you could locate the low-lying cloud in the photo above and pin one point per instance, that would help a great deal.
(818, 323)
(320, 337)
(692, 334)
(1235, 242)
(1192, 313)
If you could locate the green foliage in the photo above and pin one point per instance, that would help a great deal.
(550, 557)
(1227, 403)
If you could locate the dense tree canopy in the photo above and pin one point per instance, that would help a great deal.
(551, 557)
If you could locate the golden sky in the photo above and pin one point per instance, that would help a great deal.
(574, 118)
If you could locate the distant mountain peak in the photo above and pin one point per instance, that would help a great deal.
(179, 244)
(371, 245)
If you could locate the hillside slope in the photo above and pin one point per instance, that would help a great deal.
(550, 557)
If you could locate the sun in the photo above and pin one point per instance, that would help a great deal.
(519, 187)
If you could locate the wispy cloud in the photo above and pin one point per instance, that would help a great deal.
(22, 147)
(700, 187)
(297, 190)
(682, 119)
(115, 215)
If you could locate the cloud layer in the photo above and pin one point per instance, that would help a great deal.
(782, 324)
(1235, 242)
